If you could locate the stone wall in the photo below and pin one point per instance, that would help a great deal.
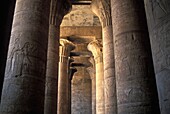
(81, 92)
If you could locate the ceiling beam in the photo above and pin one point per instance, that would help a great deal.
(80, 2)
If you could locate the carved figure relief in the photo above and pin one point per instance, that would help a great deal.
(19, 60)
(133, 92)
(126, 67)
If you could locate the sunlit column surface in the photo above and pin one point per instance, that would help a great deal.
(92, 73)
(102, 9)
(96, 48)
(63, 79)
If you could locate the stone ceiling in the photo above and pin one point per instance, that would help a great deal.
(81, 2)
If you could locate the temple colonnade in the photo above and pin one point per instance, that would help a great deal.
(129, 74)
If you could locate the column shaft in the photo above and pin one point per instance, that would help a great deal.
(69, 97)
(50, 106)
(63, 79)
(102, 9)
(159, 29)
(136, 86)
(24, 83)
(63, 101)
(96, 48)
(58, 9)
(99, 88)
(94, 94)
(109, 71)
(92, 72)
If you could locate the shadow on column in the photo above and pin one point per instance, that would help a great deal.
(6, 14)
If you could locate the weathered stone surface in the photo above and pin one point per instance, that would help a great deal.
(80, 15)
(159, 29)
(81, 92)
(50, 106)
(92, 73)
(58, 9)
(63, 79)
(88, 32)
(109, 71)
(96, 48)
(80, 56)
(102, 9)
(136, 86)
(24, 83)
(72, 70)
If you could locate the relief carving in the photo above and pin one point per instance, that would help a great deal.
(19, 58)
(133, 92)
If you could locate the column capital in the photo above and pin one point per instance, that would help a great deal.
(96, 48)
(103, 10)
(58, 9)
(65, 48)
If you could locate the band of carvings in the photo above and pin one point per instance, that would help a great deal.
(103, 10)
(96, 48)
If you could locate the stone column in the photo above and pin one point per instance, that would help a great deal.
(135, 78)
(96, 48)
(6, 14)
(71, 59)
(159, 29)
(24, 82)
(63, 79)
(72, 70)
(92, 73)
(102, 9)
(57, 11)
